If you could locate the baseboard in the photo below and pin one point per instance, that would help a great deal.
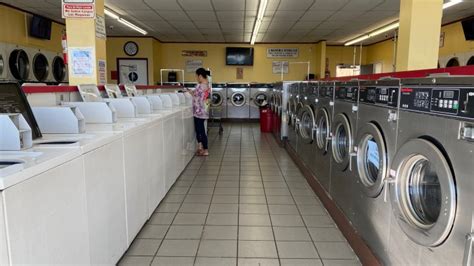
(365, 254)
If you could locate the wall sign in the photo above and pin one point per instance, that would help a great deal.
(279, 66)
(78, 9)
(192, 65)
(82, 61)
(100, 29)
(282, 52)
(195, 53)
(102, 71)
(239, 73)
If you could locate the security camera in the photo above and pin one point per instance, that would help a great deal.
(111, 27)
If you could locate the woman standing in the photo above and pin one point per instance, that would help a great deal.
(201, 110)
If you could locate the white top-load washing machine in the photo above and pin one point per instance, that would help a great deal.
(218, 101)
(259, 97)
(431, 175)
(238, 100)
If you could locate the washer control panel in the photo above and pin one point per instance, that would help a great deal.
(326, 92)
(439, 100)
(349, 94)
(384, 96)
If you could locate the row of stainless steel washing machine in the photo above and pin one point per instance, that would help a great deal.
(31, 65)
(239, 100)
(398, 159)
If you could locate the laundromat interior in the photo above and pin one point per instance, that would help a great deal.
(237, 132)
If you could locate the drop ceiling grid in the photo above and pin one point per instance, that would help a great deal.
(232, 20)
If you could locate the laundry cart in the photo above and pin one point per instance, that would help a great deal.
(217, 109)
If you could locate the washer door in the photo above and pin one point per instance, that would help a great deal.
(2, 65)
(59, 69)
(307, 125)
(40, 67)
(341, 141)
(238, 99)
(260, 99)
(19, 64)
(323, 130)
(290, 111)
(297, 113)
(423, 192)
(372, 159)
(216, 99)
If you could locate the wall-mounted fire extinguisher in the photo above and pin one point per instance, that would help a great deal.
(64, 45)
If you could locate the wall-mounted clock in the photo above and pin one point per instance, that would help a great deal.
(130, 48)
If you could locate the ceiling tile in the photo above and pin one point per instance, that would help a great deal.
(392, 5)
(173, 15)
(347, 15)
(316, 15)
(306, 25)
(207, 24)
(251, 5)
(330, 4)
(289, 15)
(230, 15)
(229, 5)
(128, 5)
(233, 26)
(363, 4)
(143, 13)
(202, 15)
(273, 5)
(300, 5)
(194, 5)
(161, 4)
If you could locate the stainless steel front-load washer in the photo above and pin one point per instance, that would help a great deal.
(259, 97)
(375, 146)
(307, 124)
(218, 100)
(344, 130)
(238, 100)
(293, 102)
(324, 117)
(431, 175)
(281, 98)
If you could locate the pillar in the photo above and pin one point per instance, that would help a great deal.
(81, 33)
(320, 66)
(418, 38)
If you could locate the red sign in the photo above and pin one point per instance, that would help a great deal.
(79, 10)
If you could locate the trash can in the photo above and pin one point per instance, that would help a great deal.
(265, 119)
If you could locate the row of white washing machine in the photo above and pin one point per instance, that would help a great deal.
(27, 64)
(239, 100)
(397, 158)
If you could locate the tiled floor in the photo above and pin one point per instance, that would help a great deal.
(246, 204)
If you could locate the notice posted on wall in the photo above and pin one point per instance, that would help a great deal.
(100, 30)
(192, 65)
(279, 66)
(102, 71)
(78, 9)
(282, 52)
(82, 61)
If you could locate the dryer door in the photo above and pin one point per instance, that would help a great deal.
(59, 69)
(217, 99)
(40, 67)
(423, 192)
(19, 64)
(260, 99)
(238, 99)
(2, 66)
(323, 130)
(307, 127)
(372, 159)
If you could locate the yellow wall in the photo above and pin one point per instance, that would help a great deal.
(14, 30)
(382, 52)
(147, 49)
(261, 71)
(454, 41)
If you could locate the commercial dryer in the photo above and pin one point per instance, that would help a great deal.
(431, 175)
(218, 100)
(306, 145)
(343, 131)
(3, 62)
(18, 63)
(238, 104)
(259, 97)
(375, 146)
(324, 116)
(40, 65)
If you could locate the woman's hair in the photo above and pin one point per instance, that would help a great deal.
(202, 72)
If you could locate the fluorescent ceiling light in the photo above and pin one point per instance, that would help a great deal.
(384, 29)
(357, 40)
(451, 3)
(258, 21)
(124, 22)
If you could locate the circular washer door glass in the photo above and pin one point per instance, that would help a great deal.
(260, 99)
(238, 99)
(19, 64)
(216, 99)
(59, 69)
(40, 67)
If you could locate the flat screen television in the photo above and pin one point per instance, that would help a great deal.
(40, 28)
(468, 28)
(239, 56)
